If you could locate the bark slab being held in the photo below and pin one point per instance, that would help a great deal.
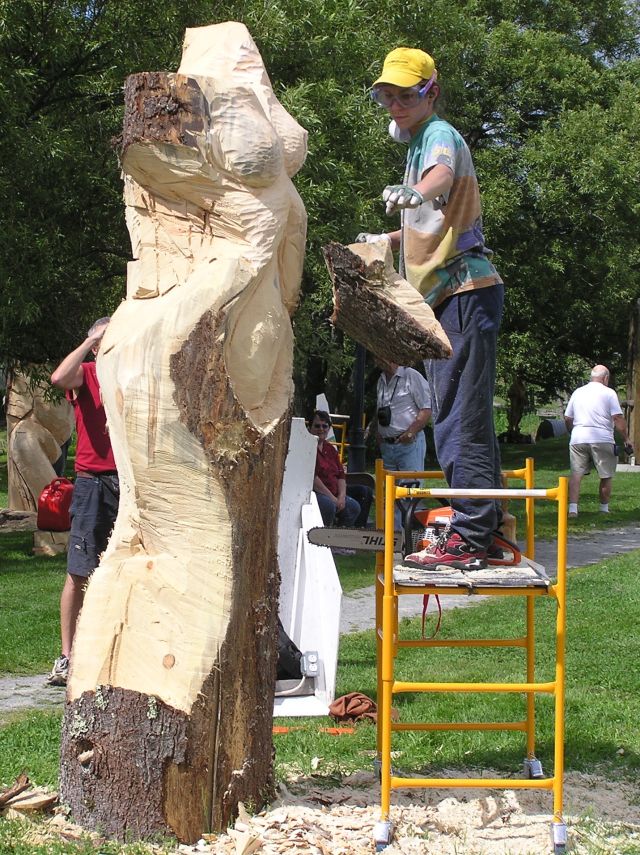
(169, 706)
(377, 308)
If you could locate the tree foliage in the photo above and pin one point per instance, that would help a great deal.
(65, 246)
(545, 92)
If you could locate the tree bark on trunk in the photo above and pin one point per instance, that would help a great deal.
(633, 380)
(168, 716)
(379, 309)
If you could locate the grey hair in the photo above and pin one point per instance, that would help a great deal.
(599, 371)
(99, 323)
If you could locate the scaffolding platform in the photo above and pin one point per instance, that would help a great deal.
(526, 574)
(526, 580)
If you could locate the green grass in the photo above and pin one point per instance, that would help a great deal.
(17, 839)
(30, 742)
(30, 586)
(603, 705)
(355, 571)
(602, 701)
(551, 460)
(603, 648)
(30, 589)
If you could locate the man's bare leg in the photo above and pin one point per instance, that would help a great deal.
(605, 493)
(71, 601)
(574, 487)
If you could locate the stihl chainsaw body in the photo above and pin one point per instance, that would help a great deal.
(433, 523)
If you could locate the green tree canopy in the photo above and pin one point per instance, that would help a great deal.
(545, 92)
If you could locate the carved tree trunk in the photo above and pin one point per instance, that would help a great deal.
(169, 707)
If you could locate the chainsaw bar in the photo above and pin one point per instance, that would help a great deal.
(361, 539)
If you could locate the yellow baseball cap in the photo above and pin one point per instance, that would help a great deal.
(407, 67)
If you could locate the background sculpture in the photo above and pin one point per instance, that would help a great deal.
(168, 717)
(38, 430)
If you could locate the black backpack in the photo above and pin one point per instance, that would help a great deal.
(288, 657)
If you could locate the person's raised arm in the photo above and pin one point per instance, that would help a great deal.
(436, 182)
(69, 374)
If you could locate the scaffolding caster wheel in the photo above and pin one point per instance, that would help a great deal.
(559, 834)
(533, 768)
(382, 834)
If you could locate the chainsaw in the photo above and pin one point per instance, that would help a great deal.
(360, 539)
(433, 523)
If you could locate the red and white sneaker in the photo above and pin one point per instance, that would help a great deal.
(450, 550)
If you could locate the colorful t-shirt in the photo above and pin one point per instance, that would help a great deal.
(443, 250)
(93, 448)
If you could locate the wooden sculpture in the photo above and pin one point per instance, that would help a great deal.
(169, 706)
(37, 427)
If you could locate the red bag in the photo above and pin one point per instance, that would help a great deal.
(54, 504)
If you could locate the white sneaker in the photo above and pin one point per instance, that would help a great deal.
(59, 672)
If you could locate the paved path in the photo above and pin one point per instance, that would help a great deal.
(19, 693)
(358, 608)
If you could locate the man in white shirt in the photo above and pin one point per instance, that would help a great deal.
(404, 408)
(592, 413)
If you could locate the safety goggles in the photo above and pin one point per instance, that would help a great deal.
(405, 97)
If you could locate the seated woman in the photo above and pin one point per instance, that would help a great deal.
(346, 506)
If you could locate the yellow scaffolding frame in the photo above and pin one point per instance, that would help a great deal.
(340, 423)
(388, 643)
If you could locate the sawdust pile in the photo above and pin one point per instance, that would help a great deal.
(602, 816)
(340, 820)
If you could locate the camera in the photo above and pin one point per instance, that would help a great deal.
(384, 416)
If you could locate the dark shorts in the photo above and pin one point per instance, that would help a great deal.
(93, 511)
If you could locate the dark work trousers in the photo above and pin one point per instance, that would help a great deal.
(462, 391)
(364, 497)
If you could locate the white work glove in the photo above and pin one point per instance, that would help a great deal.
(399, 196)
(365, 237)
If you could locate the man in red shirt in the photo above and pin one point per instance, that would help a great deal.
(329, 482)
(95, 493)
